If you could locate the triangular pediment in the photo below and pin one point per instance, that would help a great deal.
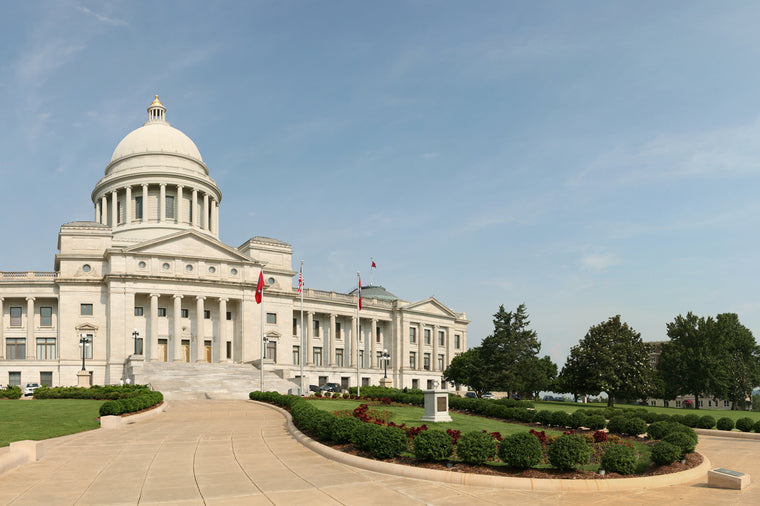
(430, 306)
(189, 244)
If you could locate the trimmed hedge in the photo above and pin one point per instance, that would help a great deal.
(521, 450)
(725, 423)
(664, 453)
(682, 440)
(568, 451)
(108, 392)
(744, 424)
(433, 445)
(706, 422)
(620, 459)
(131, 404)
(476, 447)
(11, 392)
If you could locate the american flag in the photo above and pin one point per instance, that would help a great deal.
(360, 293)
(300, 280)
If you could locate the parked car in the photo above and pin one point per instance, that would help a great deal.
(313, 388)
(471, 395)
(488, 395)
(30, 388)
(330, 387)
(515, 397)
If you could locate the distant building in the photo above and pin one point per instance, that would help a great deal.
(149, 281)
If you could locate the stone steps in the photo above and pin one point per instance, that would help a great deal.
(188, 381)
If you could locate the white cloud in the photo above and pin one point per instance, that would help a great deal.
(104, 19)
(598, 261)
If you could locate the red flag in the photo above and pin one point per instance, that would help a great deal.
(360, 293)
(260, 287)
(373, 264)
(300, 280)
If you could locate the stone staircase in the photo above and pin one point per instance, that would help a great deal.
(180, 380)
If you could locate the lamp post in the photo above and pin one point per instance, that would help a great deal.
(138, 343)
(385, 357)
(83, 340)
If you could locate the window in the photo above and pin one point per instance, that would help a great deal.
(206, 314)
(87, 347)
(726, 404)
(361, 359)
(427, 336)
(701, 404)
(170, 207)
(86, 268)
(165, 266)
(46, 348)
(415, 384)
(440, 338)
(322, 380)
(15, 348)
(413, 360)
(142, 265)
(653, 403)
(316, 328)
(337, 331)
(46, 317)
(189, 268)
(138, 208)
(15, 316)
(295, 326)
(229, 349)
(85, 309)
(339, 357)
(229, 315)
(139, 311)
(426, 361)
(46, 378)
(678, 404)
(365, 382)
(377, 334)
(162, 311)
(429, 384)
(271, 351)
(317, 356)
(184, 313)
(440, 363)
(118, 213)
(456, 341)
(272, 318)
(296, 355)
(14, 378)
(412, 335)
(212, 269)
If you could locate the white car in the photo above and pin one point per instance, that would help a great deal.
(30, 388)
(488, 395)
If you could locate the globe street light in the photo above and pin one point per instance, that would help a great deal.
(385, 357)
(83, 340)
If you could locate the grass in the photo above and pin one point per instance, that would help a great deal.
(412, 415)
(45, 418)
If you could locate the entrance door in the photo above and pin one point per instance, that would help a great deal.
(162, 350)
(207, 350)
(186, 350)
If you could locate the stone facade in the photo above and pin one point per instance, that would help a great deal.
(149, 280)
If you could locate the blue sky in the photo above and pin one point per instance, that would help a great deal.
(584, 158)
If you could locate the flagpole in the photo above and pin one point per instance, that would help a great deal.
(358, 337)
(303, 345)
(262, 340)
(371, 263)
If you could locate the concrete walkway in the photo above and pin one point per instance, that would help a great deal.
(238, 452)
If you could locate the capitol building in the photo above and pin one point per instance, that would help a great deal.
(147, 292)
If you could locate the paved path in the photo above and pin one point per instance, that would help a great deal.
(237, 452)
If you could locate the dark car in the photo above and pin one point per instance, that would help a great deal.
(471, 395)
(330, 387)
(313, 388)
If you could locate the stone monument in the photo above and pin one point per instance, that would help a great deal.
(436, 405)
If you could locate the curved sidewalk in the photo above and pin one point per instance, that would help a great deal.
(238, 452)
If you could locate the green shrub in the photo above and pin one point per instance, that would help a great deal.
(635, 426)
(662, 417)
(664, 453)
(11, 392)
(432, 445)
(756, 427)
(649, 417)
(725, 423)
(706, 422)
(561, 419)
(620, 459)
(543, 417)
(578, 419)
(110, 408)
(322, 424)
(568, 451)
(657, 430)
(521, 450)
(676, 418)
(744, 424)
(617, 424)
(385, 442)
(476, 447)
(360, 435)
(691, 420)
(682, 440)
(612, 412)
(342, 428)
(595, 422)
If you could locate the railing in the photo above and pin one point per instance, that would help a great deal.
(14, 275)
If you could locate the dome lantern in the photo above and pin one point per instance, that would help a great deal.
(156, 111)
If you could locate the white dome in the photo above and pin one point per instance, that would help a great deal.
(156, 137)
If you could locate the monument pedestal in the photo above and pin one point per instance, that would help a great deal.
(83, 379)
(436, 406)
(386, 383)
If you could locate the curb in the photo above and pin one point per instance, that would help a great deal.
(117, 422)
(483, 480)
(729, 433)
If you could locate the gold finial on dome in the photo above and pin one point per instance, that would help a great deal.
(156, 111)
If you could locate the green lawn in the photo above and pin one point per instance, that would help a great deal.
(39, 419)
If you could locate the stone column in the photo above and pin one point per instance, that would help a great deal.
(114, 209)
(215, 212)
(177, 333)
(98, 218)
(151, 343)
(309, 338)
(128, 206)
(2, 324)
(31, 346)
(331, 350)
(145, 203)
(354, 343)
(204, 222)
(162, 203)
(194, 210)
(420, 347)
(199, 331)
(373, 364)
(434, 358)
(222, 330)
(179, 204)
(104, 210)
